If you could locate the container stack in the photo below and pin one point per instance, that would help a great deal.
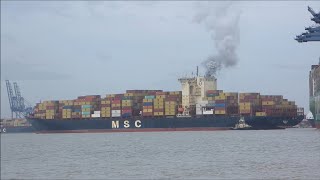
(105, 108)
(147, 109)
(86, 110)
(171, 103)
(127, 107)
(220, 104)
(51, 109)
(232, 105)
(96, 114)
(249, 103)
(87, 104)
(158, 104)
(40, 111)
(116, 108)
(277, 106)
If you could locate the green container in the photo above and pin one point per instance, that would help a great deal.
(149, 97)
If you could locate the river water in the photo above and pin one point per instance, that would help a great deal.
(264, 154)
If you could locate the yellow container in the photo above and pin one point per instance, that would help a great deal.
(105, 115)
(220, 112)
(128, 94)
(268, 103)
(105, 102)
(147, 100)
(261, 114)
(158, 113)
(160, 96)
(105, 109)
(220, 97)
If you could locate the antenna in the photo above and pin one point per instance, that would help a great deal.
(198, 70)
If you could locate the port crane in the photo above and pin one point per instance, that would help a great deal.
(18, 105)
(313, 32)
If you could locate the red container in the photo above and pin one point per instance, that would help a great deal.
(126, 107)
(220, 101)
(161, 93)
(116, 101)
(126, 111)
(105, 105)
(50, 107)
(171, 99)
(147, 114)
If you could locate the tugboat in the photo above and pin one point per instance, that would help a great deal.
(242, 125)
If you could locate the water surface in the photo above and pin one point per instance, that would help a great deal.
(264, 154)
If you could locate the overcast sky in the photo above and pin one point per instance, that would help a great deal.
(61, 50)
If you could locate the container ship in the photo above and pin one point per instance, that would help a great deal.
(314, 91)
(198, 106)
(15, 126)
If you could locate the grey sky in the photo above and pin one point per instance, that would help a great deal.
(61, 50)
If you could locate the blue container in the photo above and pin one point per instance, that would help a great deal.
(126, 98)
(211, 104)
(126, 115)
(220, 105)
(67, 107)
(77, 110)
(85, 112)
(149, 97)
(147, 104)
(86, 106)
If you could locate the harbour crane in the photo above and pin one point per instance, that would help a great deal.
(18, 105)
(313, 33)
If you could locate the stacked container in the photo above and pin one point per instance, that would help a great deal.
(277, 106)
(86, 111)
(51, 109)
(127, 107)
(116, 107)
(158, 104)
(232, 105)
(250, 103)
(147, 109)
(105, 108)
(220, 104)
(96, 114)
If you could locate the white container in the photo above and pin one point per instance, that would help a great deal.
(96, 112)
(95, 115)
(116, 115)
(116, 111)
(208, 112)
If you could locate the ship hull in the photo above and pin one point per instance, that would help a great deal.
(17, 129)
(266, 122)
(151, 124)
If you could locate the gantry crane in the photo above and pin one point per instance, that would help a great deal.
(18, 105)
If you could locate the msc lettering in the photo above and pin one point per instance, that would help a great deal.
(126, 124)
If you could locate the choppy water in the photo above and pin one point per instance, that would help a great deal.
(271, 154)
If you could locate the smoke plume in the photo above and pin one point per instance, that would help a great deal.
(223, 24)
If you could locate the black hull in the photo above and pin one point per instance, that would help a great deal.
(156, 124)
(17, 129)
(261, 122)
